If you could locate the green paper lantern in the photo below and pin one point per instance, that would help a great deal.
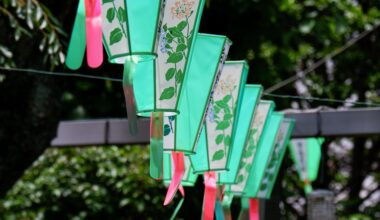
(240, 172)
(276, 158)
(306, 155)
(252, 94)
(130, 29)
(182, 131)
(189, 177)
(262, 155)
(214, 146)
(158, 89)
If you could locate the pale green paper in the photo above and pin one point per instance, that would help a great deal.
(77, 45)
(262, 155)
(250, 99)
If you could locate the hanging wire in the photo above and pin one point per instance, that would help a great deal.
(43, 72)
(321, 61)
(310, 98)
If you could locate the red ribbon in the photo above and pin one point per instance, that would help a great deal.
(254, 213)
(179, 169)
(94, 33)
(209, 196)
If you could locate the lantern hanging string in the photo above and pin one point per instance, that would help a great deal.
(317, 64)
(65, 74)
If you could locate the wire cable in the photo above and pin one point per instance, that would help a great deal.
(310, 98)
(317, 64)
(43, 72)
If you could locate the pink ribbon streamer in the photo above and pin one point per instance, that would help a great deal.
(254, 213)
(94, 33)
(209, 196)
(179, 169)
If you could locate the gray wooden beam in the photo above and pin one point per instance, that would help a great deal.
(351, 122)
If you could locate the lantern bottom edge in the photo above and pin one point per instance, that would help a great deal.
(136, 56)
(167, 112)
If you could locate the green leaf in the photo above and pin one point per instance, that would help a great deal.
(107, 1)
(115, 36)
(170, 74)
(263, 186)
(166, 130)
(227, 140)
(218, 155)
(175, 32)
(216, 109)
(121, 14)
(168, 93)
(179, 76)
(221, 104)
(110, 14)
(219, 139)
(181, 25)
(227, 98)
(181, 47)
(251, 147)
(169, 38)
(248, 168)
(240, 179)
(165, 27)
(175, 57)
(247, 154)
(181, 40)
(222, 125)
(228, 116)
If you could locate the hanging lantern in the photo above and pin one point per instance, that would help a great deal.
(189, 177)
(251, 96)
(86, 34)
(306, 155)
(129, 37)
(182, 131)
(262, 155)
(177, 30)
(214, 145)
(274, 163)
(239, 173)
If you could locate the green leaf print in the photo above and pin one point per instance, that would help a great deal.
(166, 130)
(115, 36)
(227, 98)
(221, 104)
(247, 154)
(107, 1)
(222, 125)
(248, 168)
(181, 25)
(219, 139)
(121, 15)
(175, 57)
(168, 93)
(179, 77)
(218, 155)
(110, 15)
(181, 48)
(170, 74)
(240, 179)
(175, 32)
(227, 140)
(227, 117)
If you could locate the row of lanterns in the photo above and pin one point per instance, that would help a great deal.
(205, 119)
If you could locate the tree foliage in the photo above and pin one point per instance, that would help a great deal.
(279, 38)
(90, 183)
